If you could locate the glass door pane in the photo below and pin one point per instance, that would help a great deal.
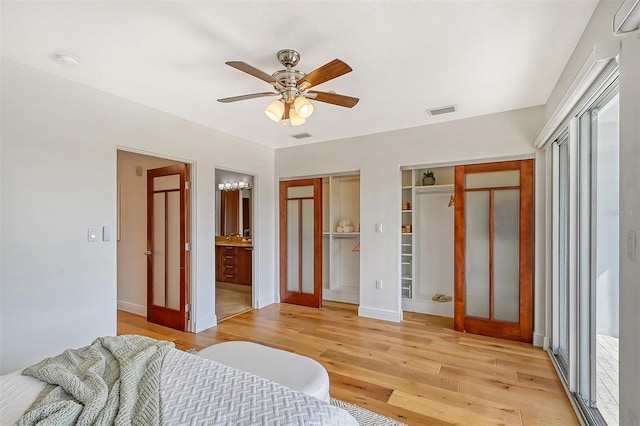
(562, 351)
(506, 254)
(159, 250)
(306, 230)
(477, 254)
(599, 259)
(293, 246)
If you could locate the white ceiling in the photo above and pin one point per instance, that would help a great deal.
(484, 56)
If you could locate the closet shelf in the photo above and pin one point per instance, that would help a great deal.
(407, 211)
(434, 188)
(345, 235)
(341, 234)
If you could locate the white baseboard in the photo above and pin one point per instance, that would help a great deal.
(381, 314)
(204, 323)
(132, 308)
(441, 309)
(540, 340)
(339, 295)
(263, 303)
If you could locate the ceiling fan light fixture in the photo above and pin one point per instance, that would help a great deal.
(294, 118)
(303, 107)
(275, 110)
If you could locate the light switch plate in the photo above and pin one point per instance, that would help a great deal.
(378, 227)
(106, 233)
(92, 235)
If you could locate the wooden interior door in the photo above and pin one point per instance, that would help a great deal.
(301, 242)
(168, 246)
(494, 249)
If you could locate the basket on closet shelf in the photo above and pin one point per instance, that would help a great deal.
(428, 178)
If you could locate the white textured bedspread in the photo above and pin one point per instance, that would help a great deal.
(198, 391)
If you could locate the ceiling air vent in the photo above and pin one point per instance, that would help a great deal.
(301, 136)
(442, 110)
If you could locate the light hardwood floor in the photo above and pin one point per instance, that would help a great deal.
(418, 371)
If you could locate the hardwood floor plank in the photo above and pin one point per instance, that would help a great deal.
(406, 372)
(397, 413)
(457, 410)
(418, 371)
(360, 387)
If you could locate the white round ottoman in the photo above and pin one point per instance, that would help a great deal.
(294, 371)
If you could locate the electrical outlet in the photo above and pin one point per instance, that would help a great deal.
(378, 284)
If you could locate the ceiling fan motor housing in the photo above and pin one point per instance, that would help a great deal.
(288, 57)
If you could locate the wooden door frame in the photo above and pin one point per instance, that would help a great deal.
(523, 331)
(297, 298)
(179, 320)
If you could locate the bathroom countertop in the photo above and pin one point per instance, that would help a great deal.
(234, 241)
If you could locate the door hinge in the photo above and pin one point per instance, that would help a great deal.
(187, 246)
(187, 185)
(187, 307)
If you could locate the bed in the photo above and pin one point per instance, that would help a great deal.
(191, 391)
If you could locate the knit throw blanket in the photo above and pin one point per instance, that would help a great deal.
(115, 380)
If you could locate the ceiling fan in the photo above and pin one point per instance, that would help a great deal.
(293, 87)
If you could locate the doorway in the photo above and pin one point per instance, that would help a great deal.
(132, 237)
(234, 258)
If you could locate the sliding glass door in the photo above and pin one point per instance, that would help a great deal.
(561, 252)
(585, 257)
(598, 307)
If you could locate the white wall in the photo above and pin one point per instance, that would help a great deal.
(599, 31)
(379, 157)
(132, 264)
(59, 142)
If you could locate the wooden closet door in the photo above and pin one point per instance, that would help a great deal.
(301, 242)
(494, 249)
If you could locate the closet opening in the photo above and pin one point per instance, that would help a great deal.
(427, 235)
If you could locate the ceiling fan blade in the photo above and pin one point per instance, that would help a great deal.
(243, 66)
(333, 98)
(243, 97)
(327, 72)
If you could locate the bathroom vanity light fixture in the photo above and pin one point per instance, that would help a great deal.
(233, 186)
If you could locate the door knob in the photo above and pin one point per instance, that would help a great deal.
(147, 253)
